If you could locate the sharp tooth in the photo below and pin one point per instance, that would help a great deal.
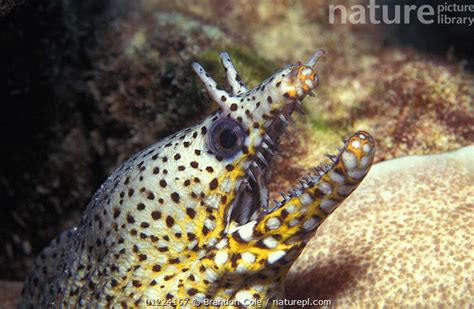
(283, 196)
(268, 149)
(268, 139)
(302, 184)
(262, 158)
(254, 164)
(319, 170)
(331, 157)
(247, 184)
(283, 119)
(251, 175)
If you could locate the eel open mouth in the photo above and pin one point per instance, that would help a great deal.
(252, 199)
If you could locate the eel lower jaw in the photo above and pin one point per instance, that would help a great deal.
(252, 198)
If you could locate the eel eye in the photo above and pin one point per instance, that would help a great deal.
(226, 137)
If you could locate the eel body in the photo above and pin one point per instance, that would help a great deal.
(187, 221)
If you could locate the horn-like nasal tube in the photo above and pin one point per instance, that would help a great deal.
(314, 59)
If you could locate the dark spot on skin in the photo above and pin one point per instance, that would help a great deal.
(234, 259)
(136, 283)
(156, 268)
(278, 84)
(130, 218)
(150, 196)
(197, 152)
(203, 130)
(238, 238)
(192, 291)
(156, 215)
(209, 169)
(140, 206)
(223, 98)
(181, 168)
(163, 183)
(191, 236)
(269, 99)
(205, 230)
(233, 107)
(130, 192)
(116, 213)
(187, 182)
(175, 197)
(284, 213)
(229, 167)
(213, 184)
(260, 244)
(169, 221)
(177, 156)
(156, 170)
(165, 159)
(142, 257)
(318, 193)
(186, 144)
(190, 212)
(144, 225)
(114, 283)
(174, 261)
(194, 164)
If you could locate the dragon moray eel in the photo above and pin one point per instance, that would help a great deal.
(189, 219)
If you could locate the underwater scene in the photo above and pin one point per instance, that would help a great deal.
(261, 154)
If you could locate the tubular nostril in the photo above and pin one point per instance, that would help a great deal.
(314, 59)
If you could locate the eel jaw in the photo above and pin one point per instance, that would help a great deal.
(252, 198)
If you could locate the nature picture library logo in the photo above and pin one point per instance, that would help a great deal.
(448, 13)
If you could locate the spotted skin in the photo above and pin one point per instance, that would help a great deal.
(163, 226)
